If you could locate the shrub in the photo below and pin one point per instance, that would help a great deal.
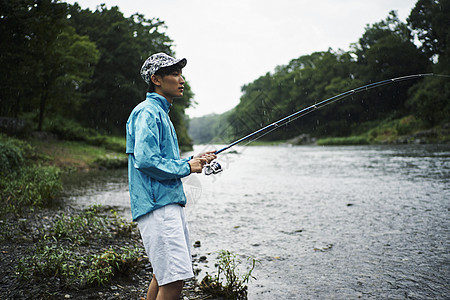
(67, 129)
(352, 140)
(89, 225)
(29, 187)
(72, 268)
(81, 228)
(11, 157)
(59, 252)
(408, 125)
(234, 286)
(109, 264)
(112, 161)
(71, 130)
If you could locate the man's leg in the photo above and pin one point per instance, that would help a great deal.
(152, 289)
(170, 291)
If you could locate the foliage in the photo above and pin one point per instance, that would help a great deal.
(28, 187)
(353, 140)
(386, 49)
(90, 224)
(430, 22)
(112, 161)
(234, 286)
(79, 229)
(301, 83)
(47, 63)
(11, 157)
(57, 253)
(24, 184)
(429, 101)
(210, 129)
(73, 269)
(116, 86)
(70, 130)
(61, 61)
(110, 263)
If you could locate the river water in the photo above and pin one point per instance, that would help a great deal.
(353, 222)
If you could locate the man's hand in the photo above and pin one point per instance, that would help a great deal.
(200, 160)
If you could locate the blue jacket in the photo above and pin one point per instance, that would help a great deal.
(154, 164)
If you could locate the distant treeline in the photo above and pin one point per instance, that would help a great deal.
(61, 62)
(387, 49)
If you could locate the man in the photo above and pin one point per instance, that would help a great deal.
(155, 170)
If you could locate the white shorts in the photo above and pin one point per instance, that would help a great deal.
(165, 236)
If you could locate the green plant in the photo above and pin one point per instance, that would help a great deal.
(71, 130)
(110, 161)
(408, 125)
(90, 224)
(351, 140)
(24, 182)
(33, 186)
(11, 157)
(63, 250)
(120, 225)
(234, 285)
(51, 260)
(111, 263)
(63, 262)
(80, 228)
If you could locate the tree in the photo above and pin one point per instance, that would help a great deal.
(304, 81)
(75, 58)
(46, 63)
(386, 51)
(28, 30)
(431, 23)
(15, 57)
(117, 86)
(429, 100)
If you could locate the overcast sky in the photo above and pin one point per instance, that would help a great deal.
(230, 43)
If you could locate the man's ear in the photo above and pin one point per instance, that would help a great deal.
(156, 79)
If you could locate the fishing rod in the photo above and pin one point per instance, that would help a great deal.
(215, 168)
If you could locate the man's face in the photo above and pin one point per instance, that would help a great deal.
(171, 85)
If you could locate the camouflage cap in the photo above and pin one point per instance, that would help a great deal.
(158, 61)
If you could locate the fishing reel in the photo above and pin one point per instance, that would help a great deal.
(213, 168)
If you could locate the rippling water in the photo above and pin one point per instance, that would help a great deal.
(369, 222)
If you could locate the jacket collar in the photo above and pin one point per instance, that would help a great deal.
(162, 102)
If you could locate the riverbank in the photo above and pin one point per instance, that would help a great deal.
(43, 259)
(50, 250)
(401, 131)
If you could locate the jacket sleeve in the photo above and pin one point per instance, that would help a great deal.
(147, 151)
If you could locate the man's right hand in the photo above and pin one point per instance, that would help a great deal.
(197, 164)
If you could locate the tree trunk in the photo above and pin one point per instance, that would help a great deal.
(43, 102)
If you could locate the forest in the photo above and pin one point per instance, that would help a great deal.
(72, 71)
(387, 49)
(66, 67)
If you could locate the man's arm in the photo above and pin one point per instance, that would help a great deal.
(147, 153)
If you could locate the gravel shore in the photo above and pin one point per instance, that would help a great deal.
(19, 236)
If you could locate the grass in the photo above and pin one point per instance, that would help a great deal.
(31, 170)
(57, 253)
(78, 155)
(352, 140)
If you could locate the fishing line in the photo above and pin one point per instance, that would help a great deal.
(215, 167)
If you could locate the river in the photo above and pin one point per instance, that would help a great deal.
(353, 222)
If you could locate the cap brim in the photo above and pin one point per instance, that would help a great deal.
(181, 62)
